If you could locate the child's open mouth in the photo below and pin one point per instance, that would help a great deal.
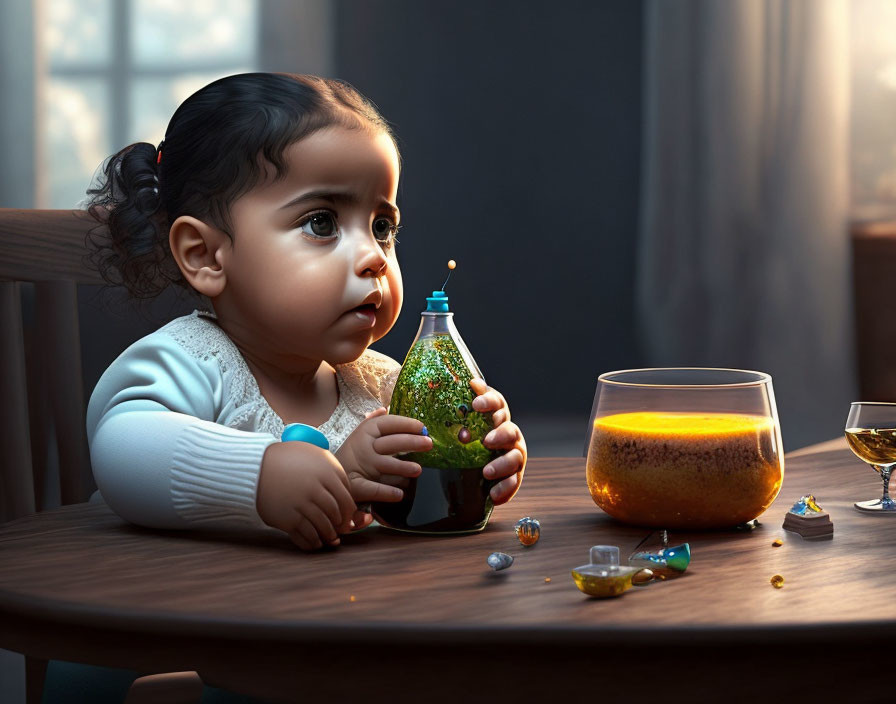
(365, 314)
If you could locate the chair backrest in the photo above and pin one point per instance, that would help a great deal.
(42, 402)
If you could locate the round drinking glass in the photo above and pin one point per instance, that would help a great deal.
(871, 434)
(690, 448)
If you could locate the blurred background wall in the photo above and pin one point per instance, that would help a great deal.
(535, 141)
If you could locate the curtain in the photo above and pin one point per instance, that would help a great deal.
(17, 106)
(743, 251)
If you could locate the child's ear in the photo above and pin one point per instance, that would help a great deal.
(198, 249)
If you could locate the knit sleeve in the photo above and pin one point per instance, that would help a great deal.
(159, 458)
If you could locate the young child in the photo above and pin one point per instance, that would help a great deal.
(272, 195)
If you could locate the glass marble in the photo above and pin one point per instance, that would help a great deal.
(499, 561)
(527, 530)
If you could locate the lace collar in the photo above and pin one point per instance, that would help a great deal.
(201, 336)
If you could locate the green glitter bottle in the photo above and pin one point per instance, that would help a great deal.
(450, 496)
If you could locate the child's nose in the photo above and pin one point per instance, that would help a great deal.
(372, 260)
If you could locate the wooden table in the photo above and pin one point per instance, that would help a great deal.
(424, 619)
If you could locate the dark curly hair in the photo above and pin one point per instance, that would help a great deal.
(210, 156)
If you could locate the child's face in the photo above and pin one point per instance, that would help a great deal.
(312, 271)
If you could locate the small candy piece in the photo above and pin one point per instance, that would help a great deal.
(547, 580)
(499, 561)
(452, 264)
(777, 581)
(425, 431)
(352, 597)
(806, 505)
(527, 530)
(777, 542)
(464, 435)
(645, 576)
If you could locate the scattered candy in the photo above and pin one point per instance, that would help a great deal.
(777, 581)
(666, 562)
(425, 431)
(547, 580)
(808, 519)
(645, 576)
(604, 576)
(777, 542)
(499, 561)
(806, 504)
(527, 530)
(352, 597)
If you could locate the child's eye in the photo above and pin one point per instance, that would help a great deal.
(385, 230)
(320, 224)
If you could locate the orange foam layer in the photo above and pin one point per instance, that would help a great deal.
(681, 425)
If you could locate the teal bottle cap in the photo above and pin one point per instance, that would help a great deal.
(438, 302)
(305, 433)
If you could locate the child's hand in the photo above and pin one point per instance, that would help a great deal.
(506, 436)
(303, 491)
(366, 455)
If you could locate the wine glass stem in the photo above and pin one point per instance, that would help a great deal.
(885, 475)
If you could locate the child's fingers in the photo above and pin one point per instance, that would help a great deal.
(503, 437)
(488, 399)
(361, 519)
(366, 490)
(304, 535)
(395, 480)
(341, 490)
(502, 492)
(505, 465)
(387, 465)
(478, 385)
(402, 442)
(327, 503)
(391, 424)
(378, 412)
(321, 523)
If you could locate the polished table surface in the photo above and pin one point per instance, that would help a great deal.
(398, 614)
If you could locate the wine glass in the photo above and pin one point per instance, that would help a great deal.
(871, 434)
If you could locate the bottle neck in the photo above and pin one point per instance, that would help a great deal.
(432, 323)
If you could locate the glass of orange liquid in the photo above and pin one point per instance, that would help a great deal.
(696, 448)
(871, 434)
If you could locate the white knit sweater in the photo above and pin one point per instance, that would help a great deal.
(177, 426)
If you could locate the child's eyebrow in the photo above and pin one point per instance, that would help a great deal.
(349, 197)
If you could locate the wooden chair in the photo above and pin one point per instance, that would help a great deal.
(42, 396)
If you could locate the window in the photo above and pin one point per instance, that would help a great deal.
(117, 69)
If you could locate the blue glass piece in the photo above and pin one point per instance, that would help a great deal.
(806, 504)
(669, 561)
(299, 432)
(499, 561)
(799, 508)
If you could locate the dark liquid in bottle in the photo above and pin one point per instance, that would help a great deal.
(440, 501)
